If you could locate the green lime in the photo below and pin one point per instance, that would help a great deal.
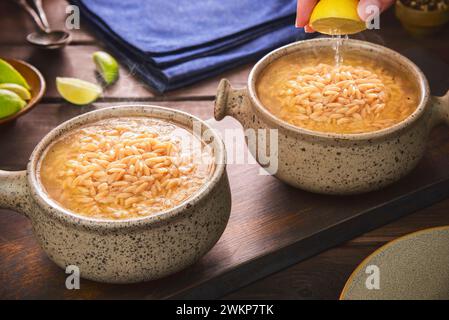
(17, 89)
(10, 75)
(78, 91)
(10, 103)
(107, 66)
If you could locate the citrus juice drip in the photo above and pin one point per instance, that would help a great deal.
(337, 44)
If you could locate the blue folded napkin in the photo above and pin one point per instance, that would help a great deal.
(170, 44)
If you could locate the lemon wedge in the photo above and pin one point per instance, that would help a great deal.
(10, 103)
(107, 66)
(336, 17)
(17, 89)
(78, 91)
(8, 74)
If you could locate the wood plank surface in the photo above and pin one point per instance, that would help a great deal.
(17, 24)
(76, 61)
(324, 276)
(268, 232)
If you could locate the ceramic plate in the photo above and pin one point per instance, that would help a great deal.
(415, 266)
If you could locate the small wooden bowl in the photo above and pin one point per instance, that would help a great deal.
(36, 82)
(420, 23)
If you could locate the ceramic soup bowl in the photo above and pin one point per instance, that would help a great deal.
(123, 251)
(332, 163)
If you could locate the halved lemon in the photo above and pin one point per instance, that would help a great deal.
(78, 91)
(336, 17)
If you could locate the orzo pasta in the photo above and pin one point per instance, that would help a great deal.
(125, 167)
(354, 97)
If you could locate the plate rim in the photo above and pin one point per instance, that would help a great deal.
(381, 249)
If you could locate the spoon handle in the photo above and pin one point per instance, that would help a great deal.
(37, 13)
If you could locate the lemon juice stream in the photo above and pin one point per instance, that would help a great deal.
(337, 45)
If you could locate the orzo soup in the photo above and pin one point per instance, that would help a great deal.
(125, 167)
(359, 95)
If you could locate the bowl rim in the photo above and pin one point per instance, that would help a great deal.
(132, 110)
(296, 47)
(30, 104)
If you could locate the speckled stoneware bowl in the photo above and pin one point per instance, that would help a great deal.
(123, 251)
(331, 163)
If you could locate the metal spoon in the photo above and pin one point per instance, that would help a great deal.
(45, 38)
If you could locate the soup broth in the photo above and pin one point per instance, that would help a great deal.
(358, 95)
(125, 168)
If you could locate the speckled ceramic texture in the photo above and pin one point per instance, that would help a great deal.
(122, 251)
(339, 163)
(413, 267)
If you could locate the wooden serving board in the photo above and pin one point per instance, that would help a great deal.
(271, 227)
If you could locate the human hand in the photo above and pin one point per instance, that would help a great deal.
(305, 8)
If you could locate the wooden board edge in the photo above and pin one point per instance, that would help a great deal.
(273, 262)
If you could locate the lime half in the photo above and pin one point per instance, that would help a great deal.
(336, 17)
(107, 66)
(10, 75)
(10, 103)
(17, 89)
(78, 91)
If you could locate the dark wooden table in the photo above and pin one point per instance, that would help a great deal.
(320, 277)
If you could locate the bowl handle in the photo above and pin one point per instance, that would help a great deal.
(14, 191)
(441, 110)
(231, 102)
